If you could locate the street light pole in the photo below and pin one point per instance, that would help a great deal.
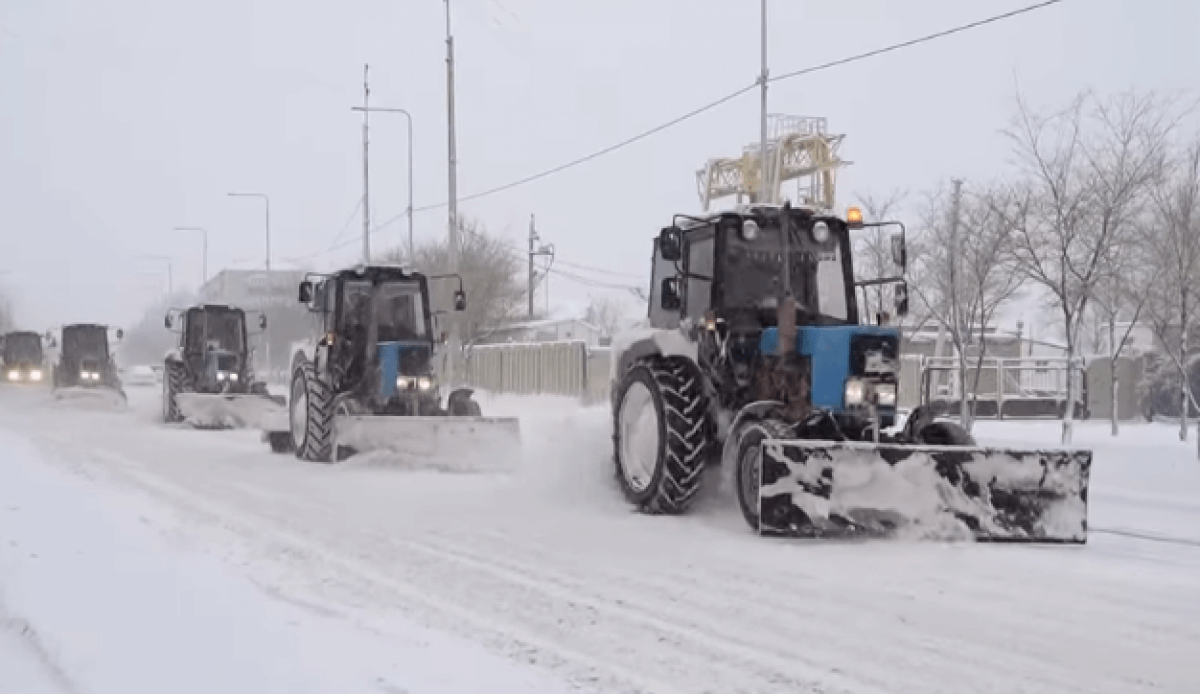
(408, 118)
(453, 191)
(204, 235)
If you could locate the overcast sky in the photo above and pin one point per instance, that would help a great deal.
(125, 118)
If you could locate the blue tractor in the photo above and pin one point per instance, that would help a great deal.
(757, 358)
(367, 380)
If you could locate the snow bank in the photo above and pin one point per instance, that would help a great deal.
(100, 601)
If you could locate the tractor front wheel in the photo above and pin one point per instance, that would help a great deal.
(660, 439)
(311, 413)
(747, 473)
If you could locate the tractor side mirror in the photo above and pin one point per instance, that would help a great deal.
(167, 321)
(443, 338)
(899, 252)
(460, 300)
(120, 334)
(670, 244)
(901, 298)
(306, 292)
(262, 321)
(669, 296)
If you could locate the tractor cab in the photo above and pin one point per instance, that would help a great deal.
(378, 335)
(85, 357)
(21, 357)
(731, 278)
(214, 347)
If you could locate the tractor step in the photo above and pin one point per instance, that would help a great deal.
(827, 489)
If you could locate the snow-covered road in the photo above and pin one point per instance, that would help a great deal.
(365, 577)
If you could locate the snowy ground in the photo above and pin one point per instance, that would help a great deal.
(137, 557)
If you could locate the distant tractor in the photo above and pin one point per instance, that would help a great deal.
(86, 367)
(366, 380)
(21, 358)
(756, 356)
(208, 379)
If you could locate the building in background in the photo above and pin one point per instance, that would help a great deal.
(273, 294)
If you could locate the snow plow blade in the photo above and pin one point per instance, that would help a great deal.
(229, 411)
(456, 444)
(826, 489)
(91, 398)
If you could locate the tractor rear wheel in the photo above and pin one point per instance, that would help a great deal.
(660, 435)
(748, 464)
(175, 381)
(311, 415)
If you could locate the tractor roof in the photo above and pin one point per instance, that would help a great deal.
(379, 272)
(22, 333)
(215, 307)
(691, 222)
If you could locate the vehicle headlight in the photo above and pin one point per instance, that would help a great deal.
(885, 394)
(856, 391)
(35, 375)
(221, 375)
(14, 375)
(405, 382)
(424, 383)
(820, 232)
(233, 377)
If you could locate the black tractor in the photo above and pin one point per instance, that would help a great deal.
(22, 358)
(208, 379)
(366, 380)
(85, 361)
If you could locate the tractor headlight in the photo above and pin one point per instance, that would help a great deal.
(35, 375)
(424, 383)
(14, 375)
(749, 229)
(233, 377)
(856, 391)
(221, 375)
(885, 394)
(405, 382)
(820, 232)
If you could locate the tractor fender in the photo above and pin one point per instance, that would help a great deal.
(754, 410)
(172, 355)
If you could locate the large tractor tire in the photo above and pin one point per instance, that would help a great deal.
(748, 463)
(175, 381)
(311, 413)
(660, 437)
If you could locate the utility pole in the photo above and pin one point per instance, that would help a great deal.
(541, 250)
(366, 239)
(764, 185)
(453, 192)
(955, 318)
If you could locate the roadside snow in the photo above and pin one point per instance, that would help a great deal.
(101, 600)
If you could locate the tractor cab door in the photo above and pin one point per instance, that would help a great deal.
(664, 310)
(699, 255)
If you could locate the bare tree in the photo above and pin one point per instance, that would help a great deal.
(1122, 291)
(491, 270)
(606, 312)
(1174, 247)
(1086, 172)
(964, 275)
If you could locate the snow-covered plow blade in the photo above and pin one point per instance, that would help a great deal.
(229, 411)
(91, 397)
(822, 489)
(459, 444)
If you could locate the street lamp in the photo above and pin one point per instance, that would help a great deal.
(266, 200)
(170, 271)
(204, 233)
(408, 212)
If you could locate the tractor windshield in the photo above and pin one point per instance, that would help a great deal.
(399, 312)
(753, 274)
(85, 341)
(23, 347)
(215, 330)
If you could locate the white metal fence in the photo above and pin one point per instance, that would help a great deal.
(569, 368)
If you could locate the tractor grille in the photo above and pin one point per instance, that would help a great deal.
(227, 363)
(414, 360)
(888, 346)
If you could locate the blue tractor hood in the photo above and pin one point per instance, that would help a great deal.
(829, 349)
(409, 358)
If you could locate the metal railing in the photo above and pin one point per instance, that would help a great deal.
(570, 368)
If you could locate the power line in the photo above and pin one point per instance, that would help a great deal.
(913, 42)
(714, 104)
